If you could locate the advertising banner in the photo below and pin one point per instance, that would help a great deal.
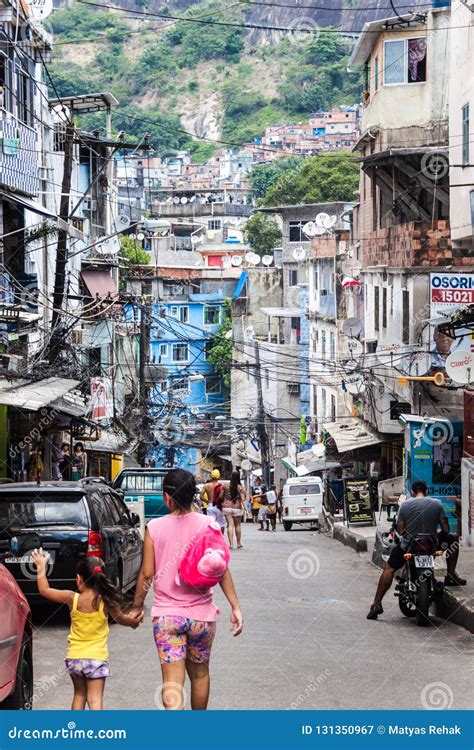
(359, 507)
(449, 292)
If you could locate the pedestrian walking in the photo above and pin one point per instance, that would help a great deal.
(184, 616)
(207, 492)
(280, 505)
(256, 499)
(87, 657)
(272, 507)
(215, 511)
(233, 506)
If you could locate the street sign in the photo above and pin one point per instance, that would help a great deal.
(358, 500)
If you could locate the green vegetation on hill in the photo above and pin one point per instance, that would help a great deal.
(163, 72)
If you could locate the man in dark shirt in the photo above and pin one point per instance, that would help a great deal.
(419, 514)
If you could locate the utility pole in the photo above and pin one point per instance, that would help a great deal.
(142, 362)
(61, 252)
(261, 424)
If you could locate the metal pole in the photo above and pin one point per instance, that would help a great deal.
(261, 425)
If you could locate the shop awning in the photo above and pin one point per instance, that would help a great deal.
(352, 434)
(33, 396)
(112, 442)
(99, 283)
(281, 312)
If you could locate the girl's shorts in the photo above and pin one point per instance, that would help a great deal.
(92, 669)
(262, 513)
(179, 638)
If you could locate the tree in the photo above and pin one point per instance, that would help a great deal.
(262, 233)
(133, 252)
(321, 179)
(264, 176)
(219, 353)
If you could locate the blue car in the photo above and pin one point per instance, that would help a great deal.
(136, 483)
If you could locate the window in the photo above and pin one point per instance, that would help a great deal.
(214, 224)
(376, 308)
(6, 81)
(384, 307)
(163, 350)
(293, 389)
(304, 489)
(323, 344)
(333, 408)
(162, 386)
(95, 362)
(184, 314)
(465, 135)
(142, 482)
(174, 311)
(316, 279)
(180, 385)
(180, 353)
(294, 232)
(213, 385)
(212, 315)
(405, 316)
(332, 346)
(376, 75)
(404, 61)
(293, 277)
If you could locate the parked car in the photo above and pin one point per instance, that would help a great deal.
(146, 484)
(73, 520)
(302, 501)
(16, 645)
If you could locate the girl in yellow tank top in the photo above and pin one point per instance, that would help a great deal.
(87, 658)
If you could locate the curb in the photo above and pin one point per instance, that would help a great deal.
(349, 538)
(460, 610)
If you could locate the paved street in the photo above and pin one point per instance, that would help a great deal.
(306, 643)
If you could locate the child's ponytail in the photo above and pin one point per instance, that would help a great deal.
(92, 572)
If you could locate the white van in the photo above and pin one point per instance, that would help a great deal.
(302, 501)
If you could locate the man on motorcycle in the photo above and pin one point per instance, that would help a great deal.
(418, 514)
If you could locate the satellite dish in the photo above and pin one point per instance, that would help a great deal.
(321, 219)
(351, 267)
(253, 259)
(248, 257)
(249, 334)
(133, 236)
(299, 253)
(256, 259)
(176, 200)
(140, 236)
(355, 383)
(353, 348)
(197, 239)
(319, 231)
(122, 222)
(390, 353)
(267, 260)
(351, 364)
(460, 367)
(246, 464)
(415, 364)
(236, 260)
(108, 245)
(352, 327)
(40, 8)
(310, 229)
(184, 199)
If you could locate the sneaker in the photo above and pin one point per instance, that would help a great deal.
(375, 611)
(456, 581)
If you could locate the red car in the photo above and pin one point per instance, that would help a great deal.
(16, 653)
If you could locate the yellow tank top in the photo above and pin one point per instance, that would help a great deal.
(88, 634)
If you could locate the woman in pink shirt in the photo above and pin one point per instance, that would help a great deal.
(184, 619)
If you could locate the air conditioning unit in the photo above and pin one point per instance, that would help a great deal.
(323, 292)
(89, 204)
(43, 172)
(371, 346)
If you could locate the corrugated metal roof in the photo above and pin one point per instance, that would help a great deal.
(34, 396)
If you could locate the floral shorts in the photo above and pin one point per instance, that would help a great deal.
(92, 669)
(179, 638)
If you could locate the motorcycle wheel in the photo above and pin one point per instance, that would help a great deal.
(423, 600)
(407, 606)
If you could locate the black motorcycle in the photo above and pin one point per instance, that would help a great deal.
(417, 587)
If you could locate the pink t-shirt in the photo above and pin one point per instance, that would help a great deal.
(170, 535)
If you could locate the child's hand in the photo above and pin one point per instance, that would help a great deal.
(39, 558)
(137, 619)
(236, 621)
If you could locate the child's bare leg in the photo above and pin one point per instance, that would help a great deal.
(95, 693)
(80, 692)
(200, 684)
(173, 674)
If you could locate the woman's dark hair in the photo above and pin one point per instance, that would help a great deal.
(181, 486)
(91, 570)
(234, 485)
(78, 446)
(64, 446)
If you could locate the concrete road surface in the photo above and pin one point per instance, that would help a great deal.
(306, 642)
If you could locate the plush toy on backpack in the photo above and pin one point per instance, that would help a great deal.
(206, 559)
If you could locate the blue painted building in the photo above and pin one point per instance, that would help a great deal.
(179, 339)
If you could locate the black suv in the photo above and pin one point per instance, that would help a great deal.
(73, 520)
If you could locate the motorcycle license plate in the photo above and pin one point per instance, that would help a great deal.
(424, 561)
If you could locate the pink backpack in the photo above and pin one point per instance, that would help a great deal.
(206, 559)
